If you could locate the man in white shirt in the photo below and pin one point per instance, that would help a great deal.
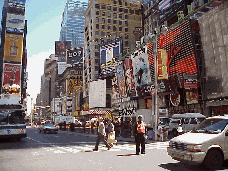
(101, 135)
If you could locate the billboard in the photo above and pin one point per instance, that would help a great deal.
(15, 23)
(61, 67)
(97, 94)
(109, 53)
(74, 56)
(72, 85)
(16, 7)
(121, 79)
(130, 84)
(140, 63)
(11, 78)
(13, 48)
(61, 47)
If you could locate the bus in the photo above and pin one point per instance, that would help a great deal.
(12, 119)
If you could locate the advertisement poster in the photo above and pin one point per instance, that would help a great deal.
(191, 96)
(15, 23)
(121, 80)
(13, 49)
(61, 47)
(74, 56)
(11, 78)
(130, 85)
(16, 7)
(109, 53)
(72, 85)
(162, 64)
(140, 65)
(97, 94)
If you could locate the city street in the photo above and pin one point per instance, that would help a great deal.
(73, 151)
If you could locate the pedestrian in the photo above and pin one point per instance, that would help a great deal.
(160, 132)
(139, 132)
(101, 135)
(64, 125)
(92, 127)
(110, 131)
(165, 134)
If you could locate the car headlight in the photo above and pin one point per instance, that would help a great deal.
(194, 148)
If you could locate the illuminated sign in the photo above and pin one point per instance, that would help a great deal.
(74, 56)
(15, 23)
(109, 53)
(13, 48)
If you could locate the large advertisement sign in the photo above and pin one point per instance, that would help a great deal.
(74, 56)
(97, 94)
(15, 23)
(130, 85)
(121, 79)
(13, 48)
(11, 78)
(109, 53)
(16, 7)
(140, 65)
(61, 47)
(72, 85)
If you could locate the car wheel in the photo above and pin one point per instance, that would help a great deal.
(213, 160)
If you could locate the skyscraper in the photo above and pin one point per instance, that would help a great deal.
(72, 26)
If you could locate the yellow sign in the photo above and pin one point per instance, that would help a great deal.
(13, 48)
(162, 64)
(108, 115)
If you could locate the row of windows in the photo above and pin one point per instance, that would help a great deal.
(114, 28)
(120, 22)
(115, 15)
(119, 9)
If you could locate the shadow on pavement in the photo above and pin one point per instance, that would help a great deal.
(121, 155)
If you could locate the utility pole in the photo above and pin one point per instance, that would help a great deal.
(31, 110)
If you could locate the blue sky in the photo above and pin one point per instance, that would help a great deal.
(44, 20)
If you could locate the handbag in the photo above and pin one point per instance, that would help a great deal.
(111, 137)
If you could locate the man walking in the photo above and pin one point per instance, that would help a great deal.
(139, 131)
(101, 135)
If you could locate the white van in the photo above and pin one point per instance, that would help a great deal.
(188, 122)
(207, 143)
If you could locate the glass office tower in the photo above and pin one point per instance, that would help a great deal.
(72, 26)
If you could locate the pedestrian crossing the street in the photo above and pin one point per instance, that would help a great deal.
(57, 149)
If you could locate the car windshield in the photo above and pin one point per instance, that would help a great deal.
(212, 125)
(49, 124)
(176, 121)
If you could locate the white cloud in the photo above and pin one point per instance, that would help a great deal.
(35, 68)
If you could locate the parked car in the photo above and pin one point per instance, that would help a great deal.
(48, 128)
(207, 143)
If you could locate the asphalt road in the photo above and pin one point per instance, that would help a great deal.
(73, 151)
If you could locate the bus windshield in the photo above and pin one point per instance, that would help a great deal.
(12, 117)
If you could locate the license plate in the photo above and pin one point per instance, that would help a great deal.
(187, 157)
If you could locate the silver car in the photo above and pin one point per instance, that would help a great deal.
(48, 128)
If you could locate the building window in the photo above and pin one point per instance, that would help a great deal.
(120, 22)
(97, 12)
(96, 47)
(120, 9)
(103, 7)
(97, 54)
(102, 33)
(126, 29)
(114, 15)
(109, 14)
(97, 6)
(109, 27)
(131, 11)
(114, 2)
(108, 7)
(109, 20)
(126, 36)
(103, 20)
(103, 26)
(96, 32)
(97, 26)
(126, 23)
(96, 68)
(97, 19)
(114, 28)
(114, 8)
(103, 13)
(126, 43)
(96, 40)
(137, 12)
(120, 2)
(125, 10)
(120, 28)
(126, 16)
(120, 15)
(114, 21)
